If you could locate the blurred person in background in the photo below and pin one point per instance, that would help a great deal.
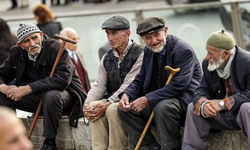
(76, 57)
(12, 131)
(46, 20)
(7, 40)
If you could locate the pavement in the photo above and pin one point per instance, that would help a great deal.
(73, 8)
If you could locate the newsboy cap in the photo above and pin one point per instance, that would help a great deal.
(26, 29)
(221, 39)
(116, 23)
(150, 25)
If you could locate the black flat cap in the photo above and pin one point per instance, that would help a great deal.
(116, 23)
(150, 25)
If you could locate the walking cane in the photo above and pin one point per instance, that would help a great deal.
(172, 73)
(58, 57)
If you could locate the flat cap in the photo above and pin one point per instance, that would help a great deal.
(116, 23)
(150, 25)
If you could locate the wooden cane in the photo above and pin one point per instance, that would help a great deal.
(58, 57)
(172, 73)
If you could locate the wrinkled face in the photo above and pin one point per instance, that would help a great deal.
(71, 46)
(118, 39)
(156, 41)
(33, 43)
(12, 135)
(214, 57)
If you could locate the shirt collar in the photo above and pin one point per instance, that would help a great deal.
(125, 51)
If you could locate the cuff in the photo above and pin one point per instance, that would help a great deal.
(229, 102)
(197, 107)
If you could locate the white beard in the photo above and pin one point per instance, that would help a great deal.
(158, 50)
(212, 65)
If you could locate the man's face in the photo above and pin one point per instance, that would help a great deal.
(73, 36)
(12, 135)
(214, 57)
(33, 43)
(118, 38)
(156, 41)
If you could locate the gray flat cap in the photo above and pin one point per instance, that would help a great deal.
(116, 23)
(150, 25)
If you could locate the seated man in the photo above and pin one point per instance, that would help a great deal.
(30, 63)
(148, 91)
(117, 70)
(12, 132)
(222, 100)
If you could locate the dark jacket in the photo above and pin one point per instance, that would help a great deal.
(64, 78)
(50, 28)
(211, 85)
(178, 54)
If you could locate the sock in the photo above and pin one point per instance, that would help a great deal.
(50, 141)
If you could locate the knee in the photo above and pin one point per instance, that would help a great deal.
(245, 108)
(112, 110)
(164, 108)
(52, 98)
(190, 108)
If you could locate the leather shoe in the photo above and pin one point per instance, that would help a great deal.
(49, 147)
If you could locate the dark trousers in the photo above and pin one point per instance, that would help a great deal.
(169, 116)
(55, 104)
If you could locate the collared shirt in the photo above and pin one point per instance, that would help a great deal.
(115, 52)
(99, 87)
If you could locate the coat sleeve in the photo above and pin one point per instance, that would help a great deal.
(185, 59)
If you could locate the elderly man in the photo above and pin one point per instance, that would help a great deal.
(148, 91)
(76, 57)
(117, 70)
(222, 100)
(12, 132)
(30, 64)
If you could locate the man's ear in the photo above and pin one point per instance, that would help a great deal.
(41, 33)
(19, 44)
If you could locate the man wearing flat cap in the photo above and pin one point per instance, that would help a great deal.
(222, 100)
(29, 65)
(117, 69)
(148, 91)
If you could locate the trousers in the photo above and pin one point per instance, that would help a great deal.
(108, 132)
(55, 104)
(197, 128)
(169, 116)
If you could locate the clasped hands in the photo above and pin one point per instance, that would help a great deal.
(96, 111)
(137, 105)
(211, 108)
(15, 93)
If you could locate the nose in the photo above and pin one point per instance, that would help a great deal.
(32, 43)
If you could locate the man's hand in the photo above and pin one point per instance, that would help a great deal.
(212, 108)
(97, 111)
(5, 88)
(124, 103)
(139, 104)
(16, 93)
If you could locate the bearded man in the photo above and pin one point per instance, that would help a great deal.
(148, 91)
(222, 100)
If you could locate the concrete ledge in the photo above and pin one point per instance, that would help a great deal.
(68, 138)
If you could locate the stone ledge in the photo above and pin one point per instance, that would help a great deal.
(68, 138)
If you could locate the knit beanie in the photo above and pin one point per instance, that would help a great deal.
(25, 30)
(221, 39)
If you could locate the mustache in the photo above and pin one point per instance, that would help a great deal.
(33, 47)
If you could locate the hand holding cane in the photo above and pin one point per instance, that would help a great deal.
(58, 57)
(172, 73)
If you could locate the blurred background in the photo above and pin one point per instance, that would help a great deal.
(191, 20)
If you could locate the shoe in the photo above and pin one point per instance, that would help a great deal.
(154, 146)
(12, 7)
(49, 147)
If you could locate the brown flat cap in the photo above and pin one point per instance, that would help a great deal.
(150, 25)
(116, 23)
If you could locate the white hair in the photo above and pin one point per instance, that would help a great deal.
(66, 30)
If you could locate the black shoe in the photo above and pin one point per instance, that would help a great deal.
(49, 147)
(12, 7)
(154, 146)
